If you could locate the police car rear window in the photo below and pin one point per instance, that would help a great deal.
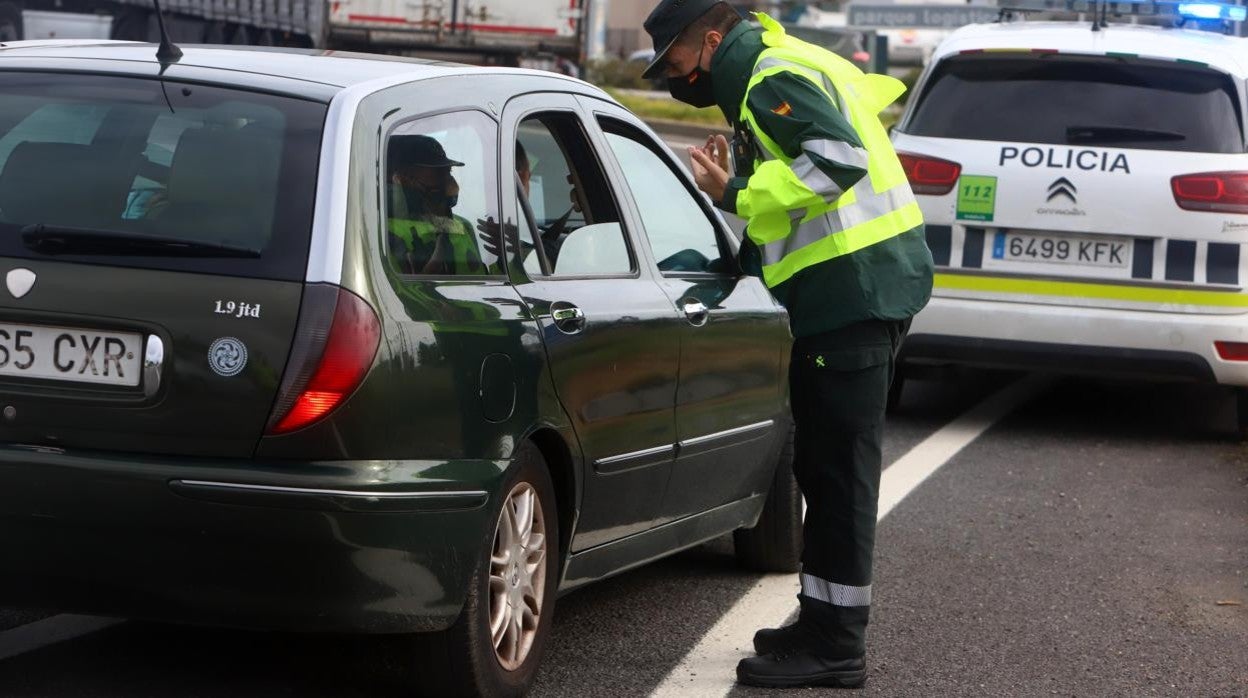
(156, 174)
(1072, 100)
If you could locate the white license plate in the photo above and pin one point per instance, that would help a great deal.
(69, 354)
(1011, 246)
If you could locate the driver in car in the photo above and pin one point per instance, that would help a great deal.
(552, 234)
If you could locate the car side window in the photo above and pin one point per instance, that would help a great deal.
(563, 188)
(682, 236)
(440, 192)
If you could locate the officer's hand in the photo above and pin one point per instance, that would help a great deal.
(440, 258)
(709, 176)
(717, 147)
(488, 232)
(443, 250)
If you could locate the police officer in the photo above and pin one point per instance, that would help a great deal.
(836, 234)
(424, 232)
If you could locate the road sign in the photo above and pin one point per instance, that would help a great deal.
(919, 16)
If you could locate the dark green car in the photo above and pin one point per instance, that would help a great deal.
(343, 343)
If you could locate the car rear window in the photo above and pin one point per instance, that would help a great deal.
(146, 159)
(1073, 100)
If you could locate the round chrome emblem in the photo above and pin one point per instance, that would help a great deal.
(227, 356)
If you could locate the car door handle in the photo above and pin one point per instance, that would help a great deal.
(695, 311)
(568, 318)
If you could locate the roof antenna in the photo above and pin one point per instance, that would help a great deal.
(168, 51)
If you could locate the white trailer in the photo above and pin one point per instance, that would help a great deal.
(482, 31)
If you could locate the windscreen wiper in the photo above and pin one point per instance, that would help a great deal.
(1118, 134)
(55, 239)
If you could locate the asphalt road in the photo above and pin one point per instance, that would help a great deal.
(1093, 542)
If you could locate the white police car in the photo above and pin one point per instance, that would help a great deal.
(1085, 187)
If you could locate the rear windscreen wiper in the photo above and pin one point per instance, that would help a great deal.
(55, 239)
(1118, 134)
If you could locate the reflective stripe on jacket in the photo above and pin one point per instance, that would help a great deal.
(419, 236)
(798, 216)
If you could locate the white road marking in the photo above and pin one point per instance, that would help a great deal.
(50, 631)
(709, 669)
(909, 471)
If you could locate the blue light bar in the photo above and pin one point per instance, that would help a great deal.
(1213, 10)
(1210, 10)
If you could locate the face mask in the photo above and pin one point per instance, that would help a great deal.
(695, 88)
(435, 201)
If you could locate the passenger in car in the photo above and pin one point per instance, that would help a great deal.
(424, 232)
(552, 235)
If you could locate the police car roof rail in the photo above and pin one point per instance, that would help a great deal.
(1201, 14)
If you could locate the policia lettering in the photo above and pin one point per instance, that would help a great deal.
(1065, 159)
(836, 234)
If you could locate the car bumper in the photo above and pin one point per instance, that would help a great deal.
(352, 546)
(1076, 340)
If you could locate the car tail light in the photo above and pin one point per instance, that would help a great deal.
(335, 343)
(930, 175)
(1232, 351)
(1225, 192)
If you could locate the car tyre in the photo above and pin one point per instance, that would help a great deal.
(1241, 414)
(775, 542)
(10, 22)
(494, 648)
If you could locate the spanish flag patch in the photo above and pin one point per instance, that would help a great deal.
(783, 110)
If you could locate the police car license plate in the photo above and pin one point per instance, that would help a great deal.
(1052, 248)
(69, 354)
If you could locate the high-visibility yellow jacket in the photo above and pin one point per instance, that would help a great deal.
(835, 227)
(418, 238)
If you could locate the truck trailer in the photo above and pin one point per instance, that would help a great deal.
(536, 33)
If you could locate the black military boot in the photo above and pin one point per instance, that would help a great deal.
(772, 640)
(801, 667)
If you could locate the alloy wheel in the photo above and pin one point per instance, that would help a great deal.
(517, 576)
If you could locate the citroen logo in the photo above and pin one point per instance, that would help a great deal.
(1063, 187)
(20, 281)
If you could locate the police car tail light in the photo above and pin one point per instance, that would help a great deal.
(1232, 351)
(1224, 192)
(335, 343)
(929, 175)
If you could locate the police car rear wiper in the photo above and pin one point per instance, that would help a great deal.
(55, 239)
(1118, 134)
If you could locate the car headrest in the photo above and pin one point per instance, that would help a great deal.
(61, 184)
(594, 249)
(224, 183)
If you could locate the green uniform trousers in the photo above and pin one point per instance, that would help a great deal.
(839, 383)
